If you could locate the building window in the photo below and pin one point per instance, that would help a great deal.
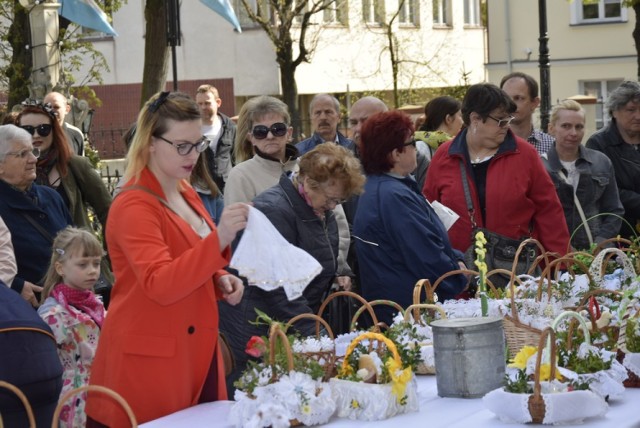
(600, 89)
(373, 11)
(472, 12)
(442, 13)
(408, 12)
(336, 12)
(600, 11)
(243, 16)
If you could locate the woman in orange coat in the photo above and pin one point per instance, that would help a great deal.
(159, 345)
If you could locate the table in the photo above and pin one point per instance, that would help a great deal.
(435, 412)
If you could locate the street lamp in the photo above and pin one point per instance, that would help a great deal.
(545, 81)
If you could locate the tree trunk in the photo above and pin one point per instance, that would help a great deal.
(290, 94)
(636, 36)
(21, 60)
(156, 51)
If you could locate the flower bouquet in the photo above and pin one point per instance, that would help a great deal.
(280, 396)
(536, 393)
(374, 386)
(588, 365)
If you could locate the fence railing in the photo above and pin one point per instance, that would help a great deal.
(110, 179)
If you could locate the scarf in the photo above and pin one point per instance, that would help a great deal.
(303, 194)
(83, 300)
(45, 164)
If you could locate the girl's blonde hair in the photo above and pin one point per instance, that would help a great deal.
(69, 242)
(570, 105)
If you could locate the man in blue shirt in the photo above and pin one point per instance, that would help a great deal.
(324, 111)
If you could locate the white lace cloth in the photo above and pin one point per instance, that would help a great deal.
(269, 261)
(371, 402)
(560, 408)
(293, 396)
(632, 362)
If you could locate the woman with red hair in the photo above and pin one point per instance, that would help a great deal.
(399, 237)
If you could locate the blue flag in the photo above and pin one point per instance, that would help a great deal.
(87, 14)
(224, 9)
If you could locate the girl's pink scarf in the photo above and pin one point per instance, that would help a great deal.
(83, 300)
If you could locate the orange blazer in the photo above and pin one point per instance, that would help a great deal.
(161, 331)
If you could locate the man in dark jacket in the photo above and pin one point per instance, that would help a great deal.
(619, 140)
(29, 360)
(220, 130)
(324, 111)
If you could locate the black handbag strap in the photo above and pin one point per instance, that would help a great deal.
(38, 227)
(467, 194)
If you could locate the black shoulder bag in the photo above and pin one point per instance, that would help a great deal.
(501, 251)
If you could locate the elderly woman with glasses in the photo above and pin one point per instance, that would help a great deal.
(301, 209)
(510, 192)
(399, 238)
(34, 214)
(159, 346)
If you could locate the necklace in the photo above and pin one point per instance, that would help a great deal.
(477, 157)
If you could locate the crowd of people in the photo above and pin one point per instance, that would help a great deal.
(363, 206)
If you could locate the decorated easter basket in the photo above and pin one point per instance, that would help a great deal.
(374, 401)
(319, 348)
(551, 402)
(583, 363)
(630, 359)
(294, 398)
(92, 389)
(604, 332)
(23, 399)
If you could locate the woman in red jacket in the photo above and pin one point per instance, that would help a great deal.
(510, 190)
(159, 344)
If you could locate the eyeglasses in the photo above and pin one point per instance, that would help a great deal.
(154, 106)
(43, 130)
(278, 129)
(332, 201)
(411, 143)
(22, 154)
(185, 148)
(502, 123)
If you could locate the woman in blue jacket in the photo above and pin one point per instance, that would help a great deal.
(399, 238)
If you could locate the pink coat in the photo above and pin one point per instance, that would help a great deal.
(161, 332)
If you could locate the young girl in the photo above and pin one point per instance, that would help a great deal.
(74, 313)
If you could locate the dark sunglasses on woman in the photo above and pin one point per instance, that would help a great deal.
(43, 130)
(278, 129)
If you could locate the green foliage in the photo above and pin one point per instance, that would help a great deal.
(592, 363)
(520, 385)
(633, 335)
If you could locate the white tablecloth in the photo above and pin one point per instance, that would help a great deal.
(435, 412)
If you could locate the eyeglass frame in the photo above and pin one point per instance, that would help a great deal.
(413, 143)
(501, 121)
(329, 200)
(33, 129)
(190, 146)
(22, 154)
(270, 129)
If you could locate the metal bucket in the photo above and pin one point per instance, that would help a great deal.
(469, 355)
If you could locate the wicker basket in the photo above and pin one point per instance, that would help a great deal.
(23, 399)
(327, 359)
(94, 388)
(353, 296)
(414, 311)
(633, 380)
(366, 401)
(590, 303)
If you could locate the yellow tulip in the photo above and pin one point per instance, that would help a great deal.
(521, 358)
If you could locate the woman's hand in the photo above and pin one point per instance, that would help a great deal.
(233, 219)
(344, 282)
(28, 293)
(232, 288)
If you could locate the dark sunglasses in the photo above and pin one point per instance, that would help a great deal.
(43, 130)
(278, 129)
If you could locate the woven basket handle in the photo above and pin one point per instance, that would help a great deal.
(547, 339)
(622, 337)
(25, 403)
(569, 261)
(274, 333)
(439, 280)
(318, 319)
(542, 256)
(415, 310)
(353, 295)
(95, 388)
(373, 336)
(581, 322)
(599, 264)
(379, 302)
